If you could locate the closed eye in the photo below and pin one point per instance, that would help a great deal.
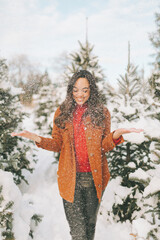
(74, 90)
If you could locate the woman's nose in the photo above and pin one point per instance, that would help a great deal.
(80, 93)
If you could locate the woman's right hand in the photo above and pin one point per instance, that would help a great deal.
(27, 134)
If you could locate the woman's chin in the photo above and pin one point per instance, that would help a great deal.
(80, 102)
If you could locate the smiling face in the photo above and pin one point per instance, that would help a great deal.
(81, 91)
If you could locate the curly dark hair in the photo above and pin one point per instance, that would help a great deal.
(95, 107)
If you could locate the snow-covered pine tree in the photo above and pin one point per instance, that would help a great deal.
(6, 218)
(46, 102)
(84, 59)
(126, 111)
(149, 200)
(15, 211)
(13, 151)
(154, 38)
(155, 81)
(156, 86)
(151, 195)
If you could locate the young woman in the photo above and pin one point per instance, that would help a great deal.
(81, 133)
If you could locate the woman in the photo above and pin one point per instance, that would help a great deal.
(81, 133)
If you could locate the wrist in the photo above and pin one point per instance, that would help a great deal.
(37, 139)
(116, 135)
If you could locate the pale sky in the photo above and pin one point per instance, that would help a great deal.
(43, 29)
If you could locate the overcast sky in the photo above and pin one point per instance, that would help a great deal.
(43, 29)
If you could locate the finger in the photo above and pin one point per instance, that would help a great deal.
(17, 134)
(142, 130)
(136, 130)
(139, 130)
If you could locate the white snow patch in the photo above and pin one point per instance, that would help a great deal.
(141, 228)
(140, 175)
(153, 187)
(22, 212)
(132, 165)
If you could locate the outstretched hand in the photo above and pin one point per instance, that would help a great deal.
(122, 131)
(27, 134)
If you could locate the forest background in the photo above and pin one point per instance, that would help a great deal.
(29, 96)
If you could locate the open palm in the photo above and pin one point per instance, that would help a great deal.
(121, 131)
(27, 134)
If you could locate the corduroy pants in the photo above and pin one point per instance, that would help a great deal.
(82, 213)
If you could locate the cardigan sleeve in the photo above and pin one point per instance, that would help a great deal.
(55, 143)
(108, 143)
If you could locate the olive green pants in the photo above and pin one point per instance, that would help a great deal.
(82, 213)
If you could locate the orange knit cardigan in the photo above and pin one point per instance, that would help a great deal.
(99, 141)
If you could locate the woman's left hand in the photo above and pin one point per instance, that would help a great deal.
(117, 133)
